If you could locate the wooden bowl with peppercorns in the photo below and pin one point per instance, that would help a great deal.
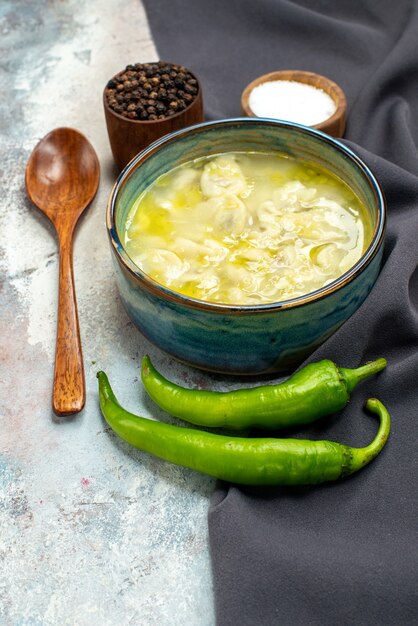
(146, 101)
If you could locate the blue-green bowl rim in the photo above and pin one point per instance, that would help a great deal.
(167, 294)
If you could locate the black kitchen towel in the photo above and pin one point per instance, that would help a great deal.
(344, 553)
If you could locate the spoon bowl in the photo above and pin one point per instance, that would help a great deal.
(62, 177)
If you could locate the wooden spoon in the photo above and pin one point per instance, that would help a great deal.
(62, 177)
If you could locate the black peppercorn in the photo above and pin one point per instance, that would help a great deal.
(190, 89)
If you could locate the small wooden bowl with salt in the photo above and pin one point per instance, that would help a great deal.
(297, 96)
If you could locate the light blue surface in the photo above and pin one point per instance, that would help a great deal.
(243, 339)
(92, 532)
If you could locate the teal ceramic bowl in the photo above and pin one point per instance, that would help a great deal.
(243, 339)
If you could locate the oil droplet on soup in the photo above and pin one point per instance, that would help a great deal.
(246, 228)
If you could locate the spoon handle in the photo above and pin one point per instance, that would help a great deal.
(69, 393)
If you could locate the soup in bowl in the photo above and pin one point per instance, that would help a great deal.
(241, 245)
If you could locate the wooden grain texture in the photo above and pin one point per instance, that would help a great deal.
(62, 177)
(128, 137)
(334, 125)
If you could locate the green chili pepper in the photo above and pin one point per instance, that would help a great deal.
(243, 460)
(317, 390)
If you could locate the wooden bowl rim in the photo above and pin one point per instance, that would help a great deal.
(301, 76)
(162, 121)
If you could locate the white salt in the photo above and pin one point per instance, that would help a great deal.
(291, 101)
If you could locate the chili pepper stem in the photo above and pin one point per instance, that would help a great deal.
(352, 377)
(362, 456)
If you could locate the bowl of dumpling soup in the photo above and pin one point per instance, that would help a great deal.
(241, 245)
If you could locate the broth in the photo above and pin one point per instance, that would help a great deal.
(246, 228)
